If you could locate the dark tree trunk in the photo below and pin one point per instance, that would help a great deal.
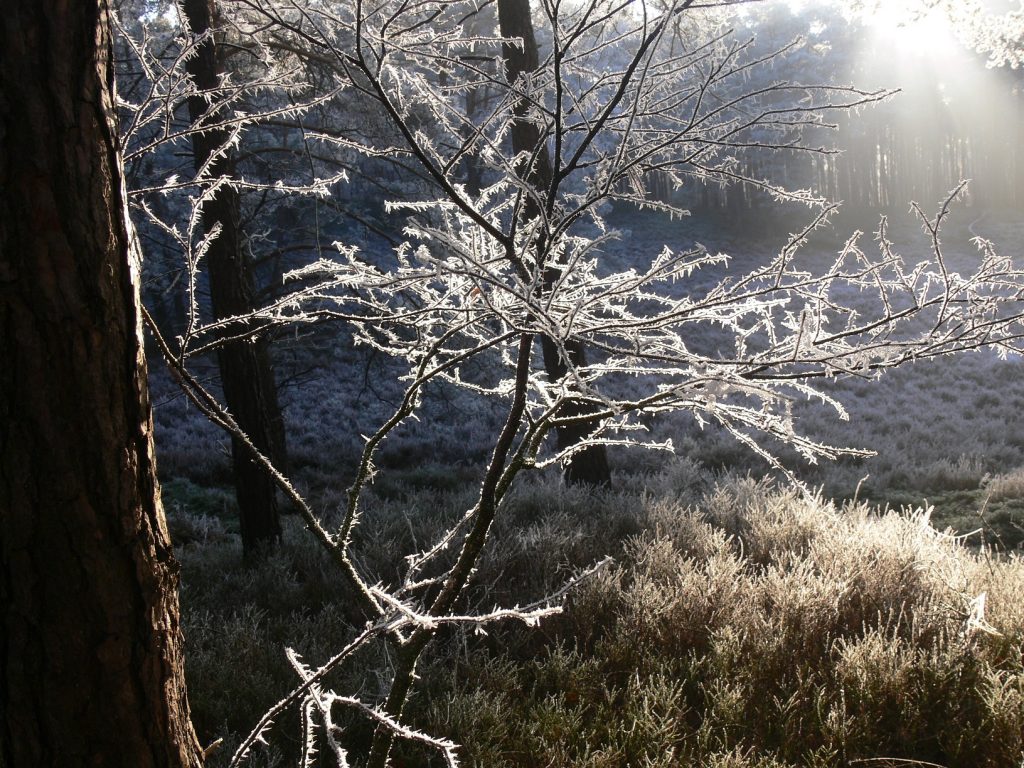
(591, 464)
(250, 392)
(91, 670)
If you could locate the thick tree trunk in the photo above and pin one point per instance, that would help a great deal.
(591, 464)
(91, 670)
(247, 378)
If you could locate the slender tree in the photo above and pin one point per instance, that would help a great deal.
(91, 669)
(590, 465)
(250, 391)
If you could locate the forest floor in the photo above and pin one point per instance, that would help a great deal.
(724, 576)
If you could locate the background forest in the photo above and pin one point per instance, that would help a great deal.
(357, 221)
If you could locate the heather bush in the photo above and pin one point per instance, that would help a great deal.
(765, 628)
(743, 625)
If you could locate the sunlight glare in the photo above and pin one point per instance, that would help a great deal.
(912, 29)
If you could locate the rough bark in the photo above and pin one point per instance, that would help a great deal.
(91, 668)
(591, 464)
(250, 391)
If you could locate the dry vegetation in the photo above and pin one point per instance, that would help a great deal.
(742, 625)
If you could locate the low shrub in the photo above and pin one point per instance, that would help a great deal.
(743, 625)
(762, 628)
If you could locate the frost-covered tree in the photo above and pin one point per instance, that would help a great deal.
(490, 269)
(521, 60)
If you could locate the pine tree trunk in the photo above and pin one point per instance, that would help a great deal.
(591, 464)
(91, 669)
(246, 375)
